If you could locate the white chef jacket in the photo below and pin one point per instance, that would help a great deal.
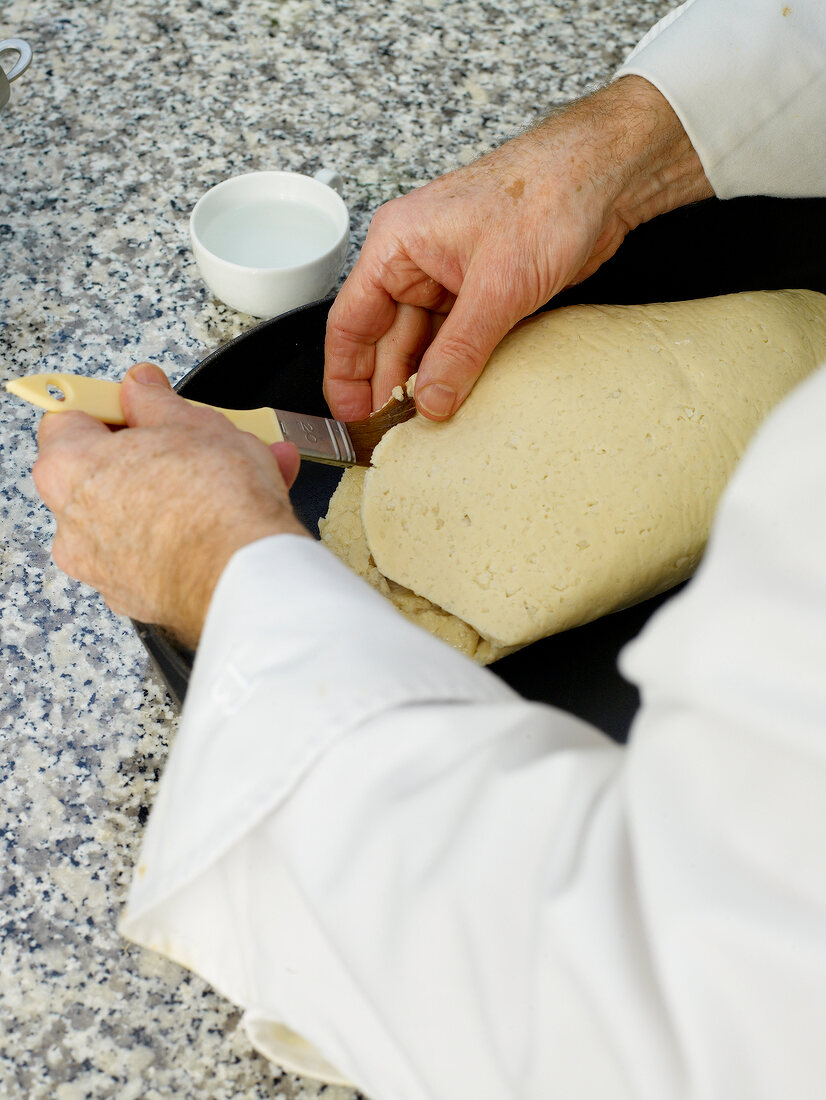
(747, 79)
(365, 840)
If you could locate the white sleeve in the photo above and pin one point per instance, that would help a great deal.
(747, 79)
(450, 892)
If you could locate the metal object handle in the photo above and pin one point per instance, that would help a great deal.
(24, 56)
(317, 437)
(331, 178)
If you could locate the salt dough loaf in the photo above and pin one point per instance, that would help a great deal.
(583, 472)
(342, 531)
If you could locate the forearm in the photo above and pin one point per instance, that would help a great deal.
(657, 167)
(626, 144)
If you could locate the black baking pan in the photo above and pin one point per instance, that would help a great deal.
(711, 248)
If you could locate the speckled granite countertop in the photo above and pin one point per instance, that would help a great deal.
(128, 113)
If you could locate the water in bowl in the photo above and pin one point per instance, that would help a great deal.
(271, 233)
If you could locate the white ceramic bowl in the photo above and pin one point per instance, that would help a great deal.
(268, 242)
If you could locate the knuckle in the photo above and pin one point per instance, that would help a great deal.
(40, 474)
(197, 421)
(460, 353)
(44, 481)
(387, 214)
(201, 417)
(340, 334)
(63, 557)
(116, 605)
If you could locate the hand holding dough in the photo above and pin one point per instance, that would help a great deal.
(583, 472)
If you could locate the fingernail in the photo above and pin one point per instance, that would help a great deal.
(436, 400)
(146, 374)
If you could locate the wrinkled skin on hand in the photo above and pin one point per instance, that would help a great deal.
(150, 515)
(448, 269)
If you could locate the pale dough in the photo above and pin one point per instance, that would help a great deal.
(582, 473)
(343, 533)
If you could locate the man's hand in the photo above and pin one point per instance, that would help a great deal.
(448, 269)
(150, 515)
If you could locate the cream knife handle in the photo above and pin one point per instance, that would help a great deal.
(100, 398)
